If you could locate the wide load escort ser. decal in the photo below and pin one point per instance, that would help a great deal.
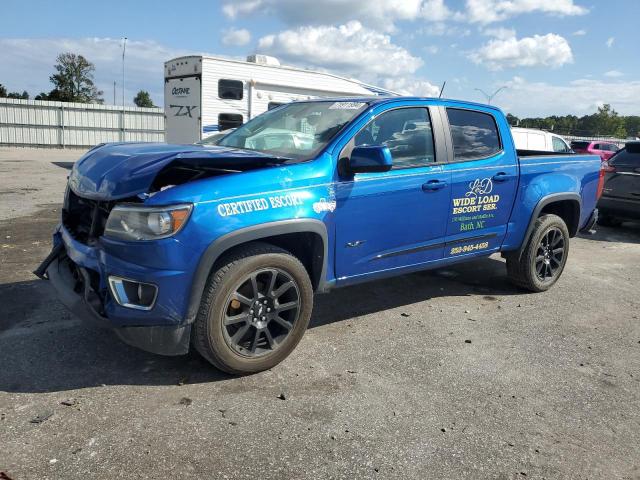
(478, 199)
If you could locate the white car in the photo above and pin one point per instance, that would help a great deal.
(531, 139)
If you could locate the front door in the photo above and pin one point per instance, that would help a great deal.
(396, 219)
(484, 179)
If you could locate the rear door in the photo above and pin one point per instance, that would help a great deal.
(624, 182)
(484, 178)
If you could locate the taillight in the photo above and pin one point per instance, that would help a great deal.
(605, 168)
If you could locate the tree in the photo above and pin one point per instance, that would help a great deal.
(73, 81)
(604, 122)
(143, 99)
(512, 120)
(23, 96)
(632, 125)
(4, 94)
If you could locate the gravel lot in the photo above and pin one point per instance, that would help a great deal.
(446, 374)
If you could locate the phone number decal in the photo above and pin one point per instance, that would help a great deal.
(469, 248)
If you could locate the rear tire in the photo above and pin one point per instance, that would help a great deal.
(255, 309)
(540, 263)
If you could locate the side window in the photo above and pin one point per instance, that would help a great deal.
(230, 89)
(406, 131)
(559, 145)
(596, 146)
(626, 158)
(229, 120)
(475, 134)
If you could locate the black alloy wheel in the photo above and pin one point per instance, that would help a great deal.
(261, 312)
(550, 254)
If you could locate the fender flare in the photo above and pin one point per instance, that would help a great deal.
(543, 202)
(249, 234)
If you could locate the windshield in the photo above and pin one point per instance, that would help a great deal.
(214, 138)
(297, 130)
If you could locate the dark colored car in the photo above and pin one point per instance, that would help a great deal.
(604, 149)
(621, 195)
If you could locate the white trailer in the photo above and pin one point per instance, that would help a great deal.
(203, 95)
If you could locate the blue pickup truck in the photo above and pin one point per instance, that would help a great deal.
(223, 247)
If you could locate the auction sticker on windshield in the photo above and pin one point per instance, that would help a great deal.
(346, 106)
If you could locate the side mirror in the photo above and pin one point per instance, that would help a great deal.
(370, 158)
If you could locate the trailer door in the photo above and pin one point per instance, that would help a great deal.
(182, 108)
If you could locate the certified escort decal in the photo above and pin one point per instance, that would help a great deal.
(474, 209)
(265, 203)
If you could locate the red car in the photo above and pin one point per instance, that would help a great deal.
(604, 149)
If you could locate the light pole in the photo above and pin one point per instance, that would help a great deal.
(491, 97)
(124, 49)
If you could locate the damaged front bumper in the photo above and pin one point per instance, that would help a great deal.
(79, 288)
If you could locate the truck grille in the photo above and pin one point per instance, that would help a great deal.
(83, 218)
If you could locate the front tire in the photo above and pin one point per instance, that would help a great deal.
(539, 265)
(255, 309)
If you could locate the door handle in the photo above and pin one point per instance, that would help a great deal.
(433, 185)
(502, 177)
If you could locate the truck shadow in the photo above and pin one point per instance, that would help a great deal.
(44, 349)
(628, 232)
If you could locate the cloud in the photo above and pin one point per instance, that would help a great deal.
(439, 29)
(579, 33)
(610, 41)
(28, 63)
(379, 13)
(407, 86)
(489, 11)
(548, 50)
(351, 49)
(500, 33)
(236, 37)
(578, 97)
(614, 74)
(233, 9)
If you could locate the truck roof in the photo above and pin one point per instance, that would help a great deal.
(377, 100)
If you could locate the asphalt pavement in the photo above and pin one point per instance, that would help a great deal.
(452, 373)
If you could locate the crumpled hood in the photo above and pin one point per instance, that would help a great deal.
(120, 170)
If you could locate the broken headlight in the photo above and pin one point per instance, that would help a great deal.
(129, 222)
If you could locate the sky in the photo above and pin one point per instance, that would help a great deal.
(553, 56)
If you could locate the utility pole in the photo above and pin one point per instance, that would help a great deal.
(124, 49)
(491, 97)
(114, 92)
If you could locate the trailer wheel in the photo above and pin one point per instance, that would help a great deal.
(255, 309)
(539, 265)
